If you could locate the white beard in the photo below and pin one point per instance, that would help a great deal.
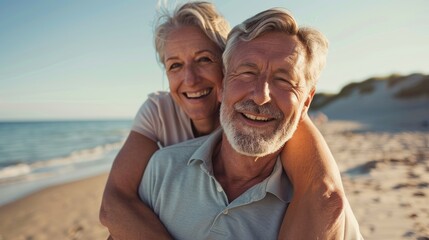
(255, 142)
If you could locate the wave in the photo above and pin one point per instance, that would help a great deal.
(15, 170)
(29, 171)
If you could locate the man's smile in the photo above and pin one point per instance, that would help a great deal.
(256, 118)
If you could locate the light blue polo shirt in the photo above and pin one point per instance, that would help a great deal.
(179, 186)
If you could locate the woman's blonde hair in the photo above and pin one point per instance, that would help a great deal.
(200, 14)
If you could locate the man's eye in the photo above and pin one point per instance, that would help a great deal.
(248, 73)
(284, 82)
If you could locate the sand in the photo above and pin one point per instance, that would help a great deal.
(386, 178)
(385, 174)
(68, 211)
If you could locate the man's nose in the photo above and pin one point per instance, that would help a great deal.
(190, 75)
(261, 93)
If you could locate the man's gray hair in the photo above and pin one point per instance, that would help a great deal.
(200, 14)
(313, 42)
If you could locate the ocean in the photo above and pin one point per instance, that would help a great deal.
(35, 155)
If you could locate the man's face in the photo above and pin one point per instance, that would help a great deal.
(264, 94)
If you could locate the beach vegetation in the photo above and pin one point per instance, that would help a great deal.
(321, 100)
(418, 90)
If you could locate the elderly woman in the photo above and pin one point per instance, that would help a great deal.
(190, 43)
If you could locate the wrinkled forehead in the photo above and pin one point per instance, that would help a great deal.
(277, 50)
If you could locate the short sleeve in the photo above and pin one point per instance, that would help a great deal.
(162, 121)
(146, 121)
(351, 228)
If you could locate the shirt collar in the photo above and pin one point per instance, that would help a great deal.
(277, 183)
(205, 152)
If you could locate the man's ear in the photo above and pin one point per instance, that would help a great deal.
(307, 102)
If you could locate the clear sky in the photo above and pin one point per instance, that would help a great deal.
(94, 59)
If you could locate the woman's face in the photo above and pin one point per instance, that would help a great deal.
(194, 70)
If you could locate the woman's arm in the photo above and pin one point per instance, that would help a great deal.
(317, 207)
(122, 211)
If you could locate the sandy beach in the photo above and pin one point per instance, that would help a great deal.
(68, 211)
(385, 174)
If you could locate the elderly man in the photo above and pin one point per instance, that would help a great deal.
(230, 184)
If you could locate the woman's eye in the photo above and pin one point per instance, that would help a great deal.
(174, 66)
(204, 59)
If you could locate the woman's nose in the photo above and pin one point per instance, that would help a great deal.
(190, 76)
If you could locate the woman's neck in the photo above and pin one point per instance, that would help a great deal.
(206, 126)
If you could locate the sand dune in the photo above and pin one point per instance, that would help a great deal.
(394, 103)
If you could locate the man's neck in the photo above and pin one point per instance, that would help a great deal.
(236, 172)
